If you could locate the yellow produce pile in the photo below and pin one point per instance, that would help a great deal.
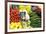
(25, 7)
(15, 25)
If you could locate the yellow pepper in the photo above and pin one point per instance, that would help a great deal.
(15, 25)
(12, 25)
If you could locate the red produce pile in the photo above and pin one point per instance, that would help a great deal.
(14, 15)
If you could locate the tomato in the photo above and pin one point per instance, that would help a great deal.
(14, 15)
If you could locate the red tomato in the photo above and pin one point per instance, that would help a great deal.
(14, 15)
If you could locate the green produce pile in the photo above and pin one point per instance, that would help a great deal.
(35, 20)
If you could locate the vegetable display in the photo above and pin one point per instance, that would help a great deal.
(23, 16)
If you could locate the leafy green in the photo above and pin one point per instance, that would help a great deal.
(35, 20)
